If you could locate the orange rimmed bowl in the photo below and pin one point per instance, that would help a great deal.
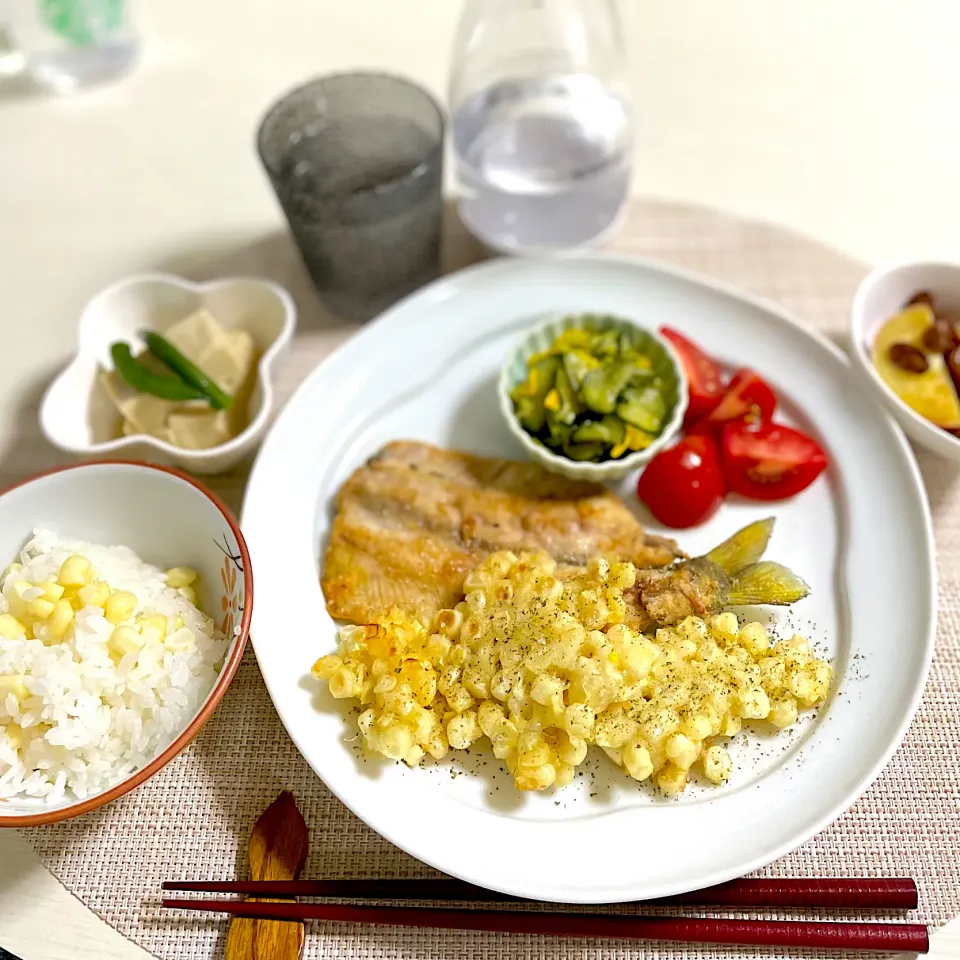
(167, 519)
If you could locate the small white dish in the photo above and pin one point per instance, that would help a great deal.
(77, 416)
(167, 519)
(666, 364)
(881, 295)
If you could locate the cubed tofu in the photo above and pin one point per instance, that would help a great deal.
(199, 430)
(195, 335)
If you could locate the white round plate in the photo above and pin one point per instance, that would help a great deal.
(861, 536)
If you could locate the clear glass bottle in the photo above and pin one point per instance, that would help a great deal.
(66, 44)
(543, 127)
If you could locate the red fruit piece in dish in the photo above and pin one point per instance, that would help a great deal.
(704, 380)
(748, 396)
(765, 461)
(683, 486)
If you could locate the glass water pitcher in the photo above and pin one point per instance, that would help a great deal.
(543, 127)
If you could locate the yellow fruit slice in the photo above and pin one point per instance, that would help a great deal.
(931, 394)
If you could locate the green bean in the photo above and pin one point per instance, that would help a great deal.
(145, 380)
(167, 353)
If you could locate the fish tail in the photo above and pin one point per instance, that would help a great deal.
(744, 548)
(765, 583)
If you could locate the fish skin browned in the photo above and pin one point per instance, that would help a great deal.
(412, 522)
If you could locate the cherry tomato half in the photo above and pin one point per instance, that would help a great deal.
(747, 396)
(765, 461)
(704, 380)
(683, 486)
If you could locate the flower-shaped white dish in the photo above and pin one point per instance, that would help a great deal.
(77, 416)
(665, 364)
(882, 295)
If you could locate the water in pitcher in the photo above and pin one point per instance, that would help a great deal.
(543, 163)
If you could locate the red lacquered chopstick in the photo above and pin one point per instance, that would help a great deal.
(877, 937)
(898, 893)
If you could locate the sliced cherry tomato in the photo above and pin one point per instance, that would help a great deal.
(683, 486)
(765, 461)
(747, 396)
(704, 380)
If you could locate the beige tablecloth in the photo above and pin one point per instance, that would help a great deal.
(193, 818)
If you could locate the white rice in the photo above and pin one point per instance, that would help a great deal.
(89, 722)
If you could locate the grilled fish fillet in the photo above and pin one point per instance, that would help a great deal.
(412, 522)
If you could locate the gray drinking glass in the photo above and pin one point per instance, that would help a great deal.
(356, 161)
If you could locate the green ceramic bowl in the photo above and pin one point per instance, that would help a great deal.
(665, 364)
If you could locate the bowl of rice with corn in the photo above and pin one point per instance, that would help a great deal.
(125, 601)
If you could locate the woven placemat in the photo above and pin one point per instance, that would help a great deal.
(193, 818)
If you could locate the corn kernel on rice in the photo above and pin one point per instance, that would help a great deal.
(94, 687)
(542, 668)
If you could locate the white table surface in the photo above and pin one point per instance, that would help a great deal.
(837, 119)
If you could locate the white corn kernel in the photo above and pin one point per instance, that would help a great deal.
(717, 765)
(448, 622)
(579, 720)
(11, 627)
(14, 685)
(75, 571)
(573, 752)
(343, 684)
(730, 726)
(754, 705)
(51, 591)
(564, 775)
(124, 640)
(396, 742)
(682, 751)
(783, 712)
(94, 594)
(14, 733)
(801, 686)
(725, 626)
(637, 761)
(754, 638)
(462, 730)
(157, 620)
(326, 667)
(539, 778)
(672, 779)
(39, 608)
(60, 620)
(119, 606)
(178, 577)
(697, 727)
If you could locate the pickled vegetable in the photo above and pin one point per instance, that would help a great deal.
(609, 430)
(593, 394)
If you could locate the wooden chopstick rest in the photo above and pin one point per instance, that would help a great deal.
(277, 851)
